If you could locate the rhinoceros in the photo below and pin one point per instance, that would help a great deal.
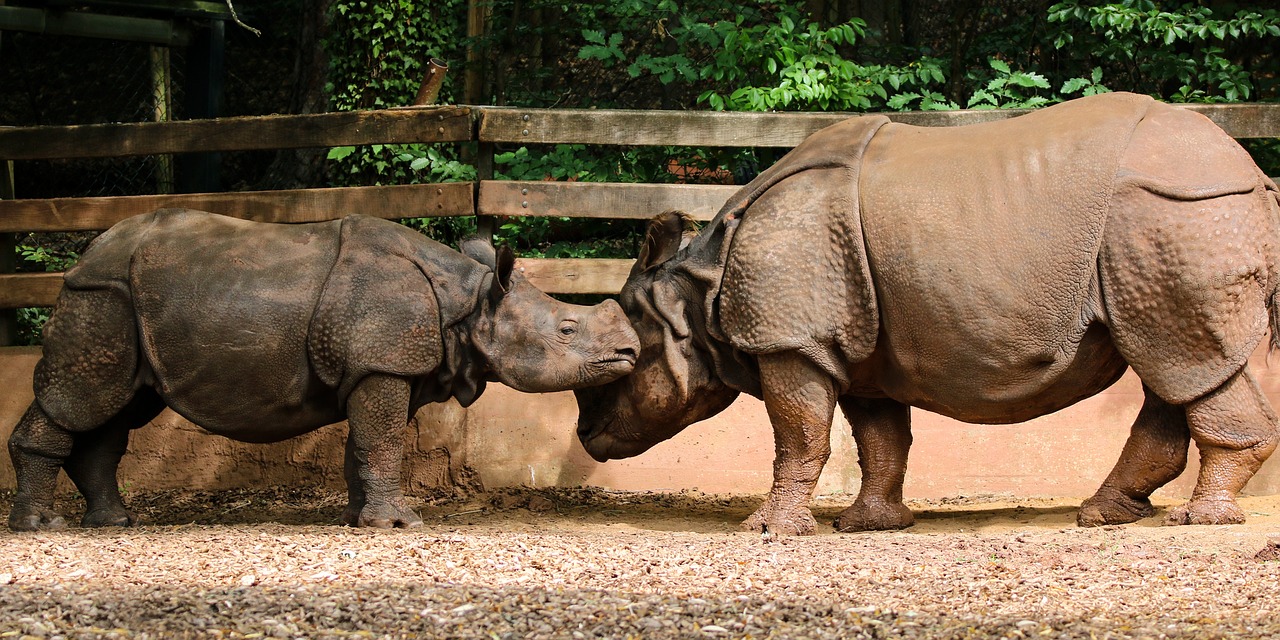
(261, 332)
(991, 273)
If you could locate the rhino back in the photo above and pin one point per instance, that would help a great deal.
(223, 307)
(984, 241)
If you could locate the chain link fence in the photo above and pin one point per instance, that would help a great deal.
(61, 80)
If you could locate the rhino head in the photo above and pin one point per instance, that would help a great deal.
(680, 377)
(535, 343)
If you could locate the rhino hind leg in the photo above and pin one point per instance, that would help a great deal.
(377, 415)
(95, 457)
(84, 383)
(1236, 430)
(1154, 454)
(37, 448)
(882, 431)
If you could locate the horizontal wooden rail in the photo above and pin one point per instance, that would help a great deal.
(18, 290)
(576, 275)
(746, 129)
(568, 275)
(340, 128)
(529, 126)
(292, 205)
(599, 199)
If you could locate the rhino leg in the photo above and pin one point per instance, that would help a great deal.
(377, 414)
(95, 457)
(800, 400)
(1154, 454)
(37, 448)
(1235, 429)
(882, 429)
(87, 377)
(355, 486)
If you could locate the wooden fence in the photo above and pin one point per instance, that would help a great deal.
(489, 126)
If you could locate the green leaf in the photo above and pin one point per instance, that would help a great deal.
(419, 164)
(999, 65)
(594, 52)
(901, 100)
(338, 153)
(1073, 85)
(593, 36)
(1024, 79)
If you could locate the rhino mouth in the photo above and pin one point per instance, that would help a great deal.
(602, 446)
(618, 364)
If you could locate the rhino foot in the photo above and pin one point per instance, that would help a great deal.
(391, 514)
(777, 521)
(1206, 512)
(874, 515)
(1112, 508)
(109, 518)
(23, 518)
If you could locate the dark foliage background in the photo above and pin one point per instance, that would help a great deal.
(837, 55)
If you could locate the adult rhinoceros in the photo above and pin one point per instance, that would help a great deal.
(261, 332)
(991, 273)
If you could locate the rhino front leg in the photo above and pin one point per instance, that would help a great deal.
(1236, 430)
(377, 414)
(801, 401)
(1154, 454)
(882, 430)
(37, 447)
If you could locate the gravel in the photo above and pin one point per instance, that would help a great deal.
(584, 563)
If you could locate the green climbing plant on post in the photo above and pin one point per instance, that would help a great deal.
(378, 51)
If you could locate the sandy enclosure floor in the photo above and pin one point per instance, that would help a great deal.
(592, 563)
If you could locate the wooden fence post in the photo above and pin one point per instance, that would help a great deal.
(161, 101)
(486, 226)
(8, 259)
(206, 66)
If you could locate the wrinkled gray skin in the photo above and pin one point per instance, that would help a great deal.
(262, 332)
(991, 273)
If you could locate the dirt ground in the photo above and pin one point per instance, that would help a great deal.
(584, 563)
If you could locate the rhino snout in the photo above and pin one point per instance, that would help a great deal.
(620, 344)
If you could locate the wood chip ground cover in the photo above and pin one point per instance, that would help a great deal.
(584, 563)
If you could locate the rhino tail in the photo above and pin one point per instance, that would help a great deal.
(1274, 300)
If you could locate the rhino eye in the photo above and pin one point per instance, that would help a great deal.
(568, 329)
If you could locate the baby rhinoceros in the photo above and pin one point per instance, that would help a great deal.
(262, 332)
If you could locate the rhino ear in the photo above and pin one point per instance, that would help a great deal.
(504, 267)
(481, 251)
(666, 232)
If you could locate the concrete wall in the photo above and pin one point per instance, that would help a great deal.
(510, 438)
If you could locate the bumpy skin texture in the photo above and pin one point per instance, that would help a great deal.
(261, 332)
(991, 273)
